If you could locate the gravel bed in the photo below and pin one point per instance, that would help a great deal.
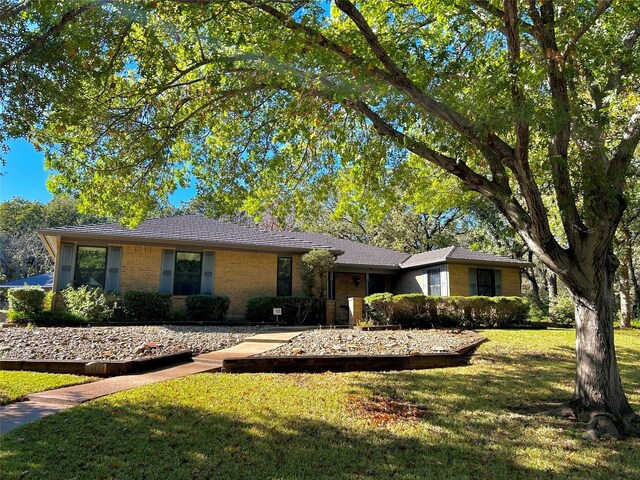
(116, 343)
(386, 342)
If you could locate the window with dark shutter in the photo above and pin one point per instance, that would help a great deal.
(187, 273)
(91, 266)
(486, 283)
(285, 267)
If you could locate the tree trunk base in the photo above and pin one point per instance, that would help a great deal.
(600, 425)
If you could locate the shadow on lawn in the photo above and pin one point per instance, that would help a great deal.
(141, 440)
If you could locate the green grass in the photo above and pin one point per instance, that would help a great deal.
(478, 424)
(15, 385)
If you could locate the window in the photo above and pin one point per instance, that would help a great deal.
(91, 266)
(187, 274)
(284, 276)
(377, 284)
(434, 282)
(486, 283)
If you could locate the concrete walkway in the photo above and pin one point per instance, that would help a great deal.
(41, 404)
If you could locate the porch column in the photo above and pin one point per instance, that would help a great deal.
(355, 311)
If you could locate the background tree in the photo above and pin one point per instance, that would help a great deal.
(278, 105)
(22, 254)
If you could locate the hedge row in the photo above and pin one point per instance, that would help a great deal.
(91, 305)
(420, 311)
(295, 310)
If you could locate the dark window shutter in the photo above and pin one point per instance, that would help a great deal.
(66, 259)
(114, 261)
(473, 281)
(498, 280)
(166, 274)
(208, 262)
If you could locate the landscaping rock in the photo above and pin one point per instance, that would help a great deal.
(356, 342)
(116, 343)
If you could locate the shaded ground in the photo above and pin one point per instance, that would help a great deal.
(471, 424)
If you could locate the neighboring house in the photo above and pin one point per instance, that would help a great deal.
(190, 254)
(44, 280)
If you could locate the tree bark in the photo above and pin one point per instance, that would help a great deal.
(553, 285)
(626, 304)
(598, 396)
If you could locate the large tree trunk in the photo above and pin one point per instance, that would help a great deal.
(626, 304)
(598, 396)
(553, 285)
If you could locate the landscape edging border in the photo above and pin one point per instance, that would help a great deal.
(96, 368)
(349, 363)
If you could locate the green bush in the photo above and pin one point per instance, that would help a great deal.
(377, 308)
(89, 304)
(147, 306)
(60, 318)
(562, 311)
(295, 310)
(207, 307)
(25, 303)
(420, 311)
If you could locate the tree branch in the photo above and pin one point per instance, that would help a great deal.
(40, 40)
(602, 6)
(495, 150)
(544, 24)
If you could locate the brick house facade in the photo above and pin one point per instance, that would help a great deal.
(191, 254)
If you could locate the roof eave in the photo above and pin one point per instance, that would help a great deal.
(109, 238)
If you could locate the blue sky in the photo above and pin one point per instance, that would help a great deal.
(25, 176)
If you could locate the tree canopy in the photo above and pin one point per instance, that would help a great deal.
(276, 105)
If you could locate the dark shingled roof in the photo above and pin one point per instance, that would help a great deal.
(191, 228)
(45, 281)
(201, 230)
(356, 253)
(459, 255)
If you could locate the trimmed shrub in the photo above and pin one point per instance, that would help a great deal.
(420, 311)
(562, 311)
(89, 304)
(377, 308)
(295, 310)
(147, 306)
(27, 301)
(207, 307)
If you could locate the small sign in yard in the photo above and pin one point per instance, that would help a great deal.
(277, 312)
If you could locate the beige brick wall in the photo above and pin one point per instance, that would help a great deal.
(140, 268)
(244, 275)
(345, 288)
(459, 280)
(511, 282)
(239, 275)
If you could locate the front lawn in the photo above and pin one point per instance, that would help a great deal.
(475, 422)
(15, 385)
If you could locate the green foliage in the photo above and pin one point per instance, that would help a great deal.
(89, 304)
(207, 307)
(562, 311)
(144, 306)
(26, 302)
(377, 308)
(316, 264)
(295, 310)
(420, 311)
